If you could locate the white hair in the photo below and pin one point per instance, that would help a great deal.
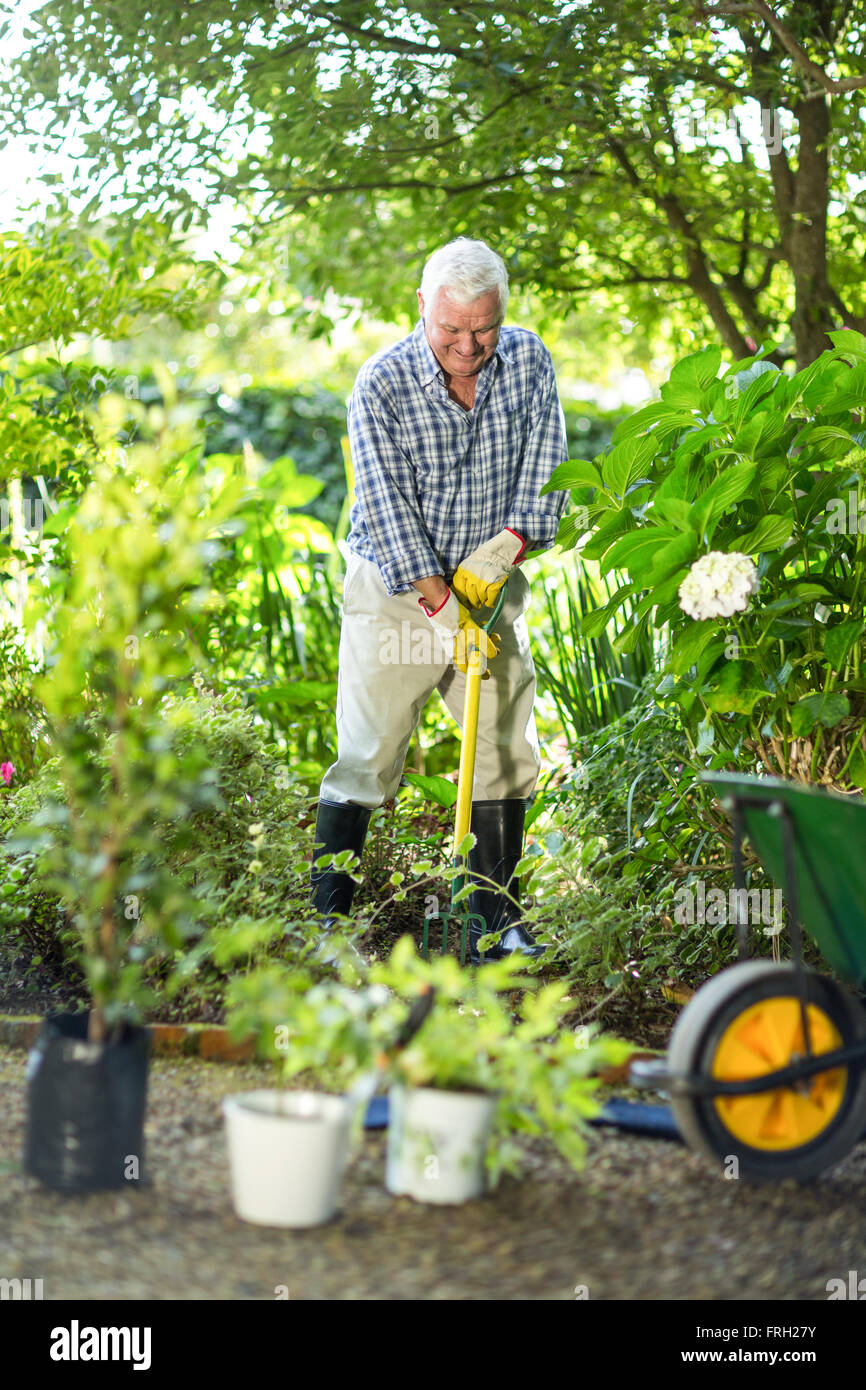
(466, 269)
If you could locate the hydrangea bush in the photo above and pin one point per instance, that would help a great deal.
(734, 511)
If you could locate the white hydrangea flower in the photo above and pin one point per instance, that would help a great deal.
(718, 585)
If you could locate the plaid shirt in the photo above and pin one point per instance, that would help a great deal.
(434, 481)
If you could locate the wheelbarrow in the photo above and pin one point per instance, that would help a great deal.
(766, 1064)
(460, 912)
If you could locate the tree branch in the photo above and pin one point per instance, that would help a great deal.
(699, 277)
(390, 41)
(810, 68)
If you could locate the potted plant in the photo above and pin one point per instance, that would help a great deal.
(288, 1148)
(137, 547)
(472, 1077)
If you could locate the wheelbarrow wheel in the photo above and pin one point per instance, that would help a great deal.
(744, 1023)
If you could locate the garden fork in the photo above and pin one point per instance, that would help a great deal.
(463, 804)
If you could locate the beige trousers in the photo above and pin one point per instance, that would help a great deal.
(391, 661)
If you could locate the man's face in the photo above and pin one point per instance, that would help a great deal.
(463, 336)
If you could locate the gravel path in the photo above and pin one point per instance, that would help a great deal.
(645, 1220)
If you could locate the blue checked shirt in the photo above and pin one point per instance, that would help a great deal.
(434, 481)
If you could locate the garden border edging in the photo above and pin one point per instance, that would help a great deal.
(210, 1042)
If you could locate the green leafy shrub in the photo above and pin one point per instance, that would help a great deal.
(306, 424)
(618, 845)
(130, 792)
(23, 725)
(239, 854)
(752, 464)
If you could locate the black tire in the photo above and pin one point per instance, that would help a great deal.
(692, 1050)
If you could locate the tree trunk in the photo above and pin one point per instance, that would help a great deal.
(807, 241)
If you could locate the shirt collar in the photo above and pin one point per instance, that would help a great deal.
(428, 363)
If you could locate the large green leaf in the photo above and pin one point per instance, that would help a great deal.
(770, 533)
(627, 462)
(736, 690)
(297, 695)
(676, 553)
(593, 624)
(282, 483)
(572, 473)
(759, 431)
(682, 481)
(438, 789)
(839, 640)
(693, 440)
(849, 391)
(723, 491)
(637, 551)
(826, 708)
(661, 593)
(752, 392)
(620, 522)
(690, 378)
(817, 382)
(849, 342)
(658, 417)
(689, 644)
(676, 510)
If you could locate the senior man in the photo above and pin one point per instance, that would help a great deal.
(453, 432)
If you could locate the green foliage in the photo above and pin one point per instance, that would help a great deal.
(241, 858)
(277, 630)
(540, 1072)
(579, 667)
(761, 464)
(23, 726)
(576, 898)
(636, 794)
(307, 425)
(139, 545)
(332, 1029)
(58, 282)
(376, 122)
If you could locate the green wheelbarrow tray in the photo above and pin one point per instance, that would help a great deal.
(828, 832)
(814, 842)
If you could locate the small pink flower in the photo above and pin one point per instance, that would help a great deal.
(7, 771)
(751, 345)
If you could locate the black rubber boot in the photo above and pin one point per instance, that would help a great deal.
(498, 830)
(339, 825)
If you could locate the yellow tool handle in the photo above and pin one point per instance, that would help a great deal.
(466, 773)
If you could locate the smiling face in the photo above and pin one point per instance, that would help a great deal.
(463, 336)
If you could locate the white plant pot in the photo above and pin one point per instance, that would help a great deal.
(287, 1152)
(437, 1142)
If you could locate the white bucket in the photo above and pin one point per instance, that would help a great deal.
(437, 1141)
(287, 1152)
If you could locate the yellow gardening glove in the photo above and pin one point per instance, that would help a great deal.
(462, 637)
(481, 575)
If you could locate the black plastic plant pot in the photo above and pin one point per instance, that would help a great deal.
(85, 1124)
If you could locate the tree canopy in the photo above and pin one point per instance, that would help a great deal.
(701, 155)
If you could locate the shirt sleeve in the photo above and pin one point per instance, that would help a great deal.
(385, 489)
(533, 517)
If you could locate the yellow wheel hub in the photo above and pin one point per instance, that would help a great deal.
(764, 1038)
